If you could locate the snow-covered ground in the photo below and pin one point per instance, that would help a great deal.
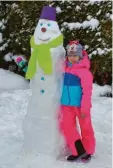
(13, 107)
(12, 81)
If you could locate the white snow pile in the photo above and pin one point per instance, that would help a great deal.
(93, 24)
(10, 81)
(101, 90)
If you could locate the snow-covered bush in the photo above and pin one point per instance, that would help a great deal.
(90, 21)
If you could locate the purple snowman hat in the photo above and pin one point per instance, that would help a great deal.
(48, 13)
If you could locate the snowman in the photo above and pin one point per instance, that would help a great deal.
(40, 128)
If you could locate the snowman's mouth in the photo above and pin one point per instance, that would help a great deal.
(43, 39)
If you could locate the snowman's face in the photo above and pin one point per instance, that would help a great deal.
(46, 31)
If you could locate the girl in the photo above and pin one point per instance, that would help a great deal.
(76, 102)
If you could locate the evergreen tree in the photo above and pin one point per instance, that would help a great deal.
(98, 41)
(20, 18)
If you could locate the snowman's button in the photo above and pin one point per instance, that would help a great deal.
(42, 78)
(42, 91)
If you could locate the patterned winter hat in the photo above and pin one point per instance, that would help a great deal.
(74, 48)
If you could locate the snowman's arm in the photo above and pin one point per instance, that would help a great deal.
(62, 51)
(60, 67)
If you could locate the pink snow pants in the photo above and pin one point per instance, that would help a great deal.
(67, 124)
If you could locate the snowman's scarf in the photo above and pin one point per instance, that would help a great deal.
(42, 54)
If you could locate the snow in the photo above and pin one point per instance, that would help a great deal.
(93, 1)
(11, 81)
(78, 8)
(101, 90)
(93, 23)
(50, 33)
(89, 17)
(100, 39)
(98, 13)
(4, 46)
(107, 14)
(13, 107)
(58, 9)
(14, 5)
(100, 51)
(1, 23)
(98, 34)
(94, 52)
(76, 25)
(86, 47)
(8, 57)
(0, 37)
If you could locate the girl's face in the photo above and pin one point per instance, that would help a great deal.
(73, 58)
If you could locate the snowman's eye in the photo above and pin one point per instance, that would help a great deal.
(41, 24)
(49, 24)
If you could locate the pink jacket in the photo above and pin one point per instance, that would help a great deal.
(82, 71)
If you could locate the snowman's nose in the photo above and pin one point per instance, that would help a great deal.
(43, 29)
